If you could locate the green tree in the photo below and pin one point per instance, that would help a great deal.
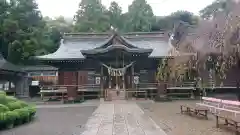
(91, 17)
(214, 8)
(4, 5)
(167, 22)
(139, 16)
(60, 24)
(162, 23)
(115, 16)
(23, 31)
(184, 16)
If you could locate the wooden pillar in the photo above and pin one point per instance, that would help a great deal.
(69, 78)
(77, 83)
(102, 89)
(151, 93)
(123, 77)
(117, 87)
(132, 77)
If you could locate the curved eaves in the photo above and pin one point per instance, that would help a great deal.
(113, 47)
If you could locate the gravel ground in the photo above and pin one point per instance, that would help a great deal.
(55, 121)
(167, 116)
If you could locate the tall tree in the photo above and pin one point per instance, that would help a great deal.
(167, 22)
(91, 17)
(139, 16)
(184, 16)
(219, 35)
(115, 16)
(23, 31)
(60, 24)
(4, 5)
(213, 9)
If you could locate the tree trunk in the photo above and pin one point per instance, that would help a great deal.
(162, 89)
(162, 92)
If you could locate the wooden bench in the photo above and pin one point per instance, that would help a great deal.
(232, 107)
(194, 111)
(211, 103)
(230, 122)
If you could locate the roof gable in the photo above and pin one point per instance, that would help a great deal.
(116, 39)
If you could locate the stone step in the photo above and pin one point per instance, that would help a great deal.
(112, 95)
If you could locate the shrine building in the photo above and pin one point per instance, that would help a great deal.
(108, 60)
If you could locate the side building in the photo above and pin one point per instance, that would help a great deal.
(13, 80)
(45, 75)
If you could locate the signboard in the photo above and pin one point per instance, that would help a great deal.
(35, 83)
(136, 79)
(98, 80)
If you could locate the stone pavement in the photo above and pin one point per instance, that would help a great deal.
(121, 118)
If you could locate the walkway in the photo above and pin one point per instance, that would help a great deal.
(121, 118)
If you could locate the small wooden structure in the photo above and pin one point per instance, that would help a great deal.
(13, 79)
(229, 122)
(194, 110)
(60, 91)
(226, 110)
(44, 74)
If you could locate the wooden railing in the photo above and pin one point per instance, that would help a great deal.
(60, 91)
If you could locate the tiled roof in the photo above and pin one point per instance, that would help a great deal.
(72, 44)
(39, 68)
(5, 65)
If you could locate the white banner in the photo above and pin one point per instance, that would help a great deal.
(136, 79)
(116, 72)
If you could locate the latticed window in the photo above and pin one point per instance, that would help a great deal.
(35, 74)
(49, 73)
(44, 73)
(91, 77)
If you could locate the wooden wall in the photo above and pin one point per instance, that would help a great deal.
(73, 77)
(52, 79)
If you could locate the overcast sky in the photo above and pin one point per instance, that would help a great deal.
(67, 8)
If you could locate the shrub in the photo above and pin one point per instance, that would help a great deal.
(31, 110)
(23, 104)
(2, 120)
(23, 114)
(14, 105)
(10, 99)
(3, 98)
(14, 112)
(3, 108)
(3, 92)
(7, 119)
(11, 117)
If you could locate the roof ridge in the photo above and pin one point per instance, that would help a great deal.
(87, 33)
(111, 33)
(132, 33)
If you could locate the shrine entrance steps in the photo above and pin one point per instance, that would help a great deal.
(113, 94)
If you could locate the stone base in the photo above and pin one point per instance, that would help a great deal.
(101, 100)
(162, 98)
